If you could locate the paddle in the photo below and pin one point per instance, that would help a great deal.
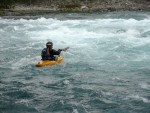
(65, 49)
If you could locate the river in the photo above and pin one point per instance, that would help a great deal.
(105, 70)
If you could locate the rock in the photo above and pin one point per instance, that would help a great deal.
(84, 8)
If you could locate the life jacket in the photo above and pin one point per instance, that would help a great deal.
(46, 54)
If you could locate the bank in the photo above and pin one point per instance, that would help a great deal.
(34, 7)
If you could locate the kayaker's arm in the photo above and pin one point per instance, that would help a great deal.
(56, 52)
(59, 51)
(65, 49)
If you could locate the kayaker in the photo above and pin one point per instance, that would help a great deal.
(48, 52)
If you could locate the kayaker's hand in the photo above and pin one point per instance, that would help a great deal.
(65, 49)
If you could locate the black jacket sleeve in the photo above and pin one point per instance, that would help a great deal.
(54, 52)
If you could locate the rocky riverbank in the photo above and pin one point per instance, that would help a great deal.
(49, 6)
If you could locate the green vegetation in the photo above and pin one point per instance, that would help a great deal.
(7, 4)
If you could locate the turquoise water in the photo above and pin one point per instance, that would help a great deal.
(106, 69)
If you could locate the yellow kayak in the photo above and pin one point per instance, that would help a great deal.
(49, 62)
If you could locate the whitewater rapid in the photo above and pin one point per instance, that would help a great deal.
(106, 69)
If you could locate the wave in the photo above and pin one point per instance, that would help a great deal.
(138, 98)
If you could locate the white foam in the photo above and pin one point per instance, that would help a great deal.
(1, 30)
(138, 98)
(145, 86)
(118, 79)
(23, 62)
(88, 39)
(66, 82)
(75, 111)
(23, 101)
(107, 93)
